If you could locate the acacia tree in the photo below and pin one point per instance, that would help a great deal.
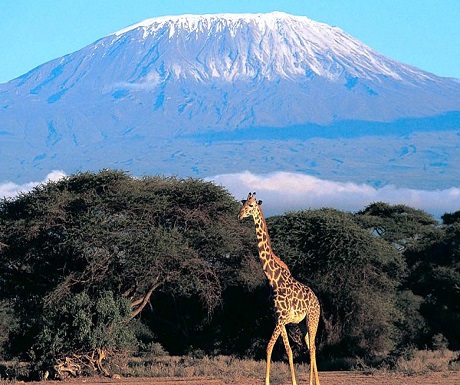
(430, 293)
(102, 243)
(435, 277)
(403, 226)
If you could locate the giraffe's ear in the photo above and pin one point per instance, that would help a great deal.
(259, 202)
(243, 201)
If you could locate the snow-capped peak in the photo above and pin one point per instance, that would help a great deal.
(193, 21)
(276, 44)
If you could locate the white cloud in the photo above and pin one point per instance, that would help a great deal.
(284, 191)
(150, 83)
(10, 189)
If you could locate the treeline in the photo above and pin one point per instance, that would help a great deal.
(100, 265)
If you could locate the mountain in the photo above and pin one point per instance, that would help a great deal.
(206, 94)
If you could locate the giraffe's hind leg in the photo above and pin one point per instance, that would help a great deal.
(289, 353)
(312, 327)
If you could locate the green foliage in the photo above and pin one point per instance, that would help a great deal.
(435, 275)
(432, 253)
(355, 274)
(451, 218)
(8, 322)
(400, 225)
(110, 231)
(83, 324)
(410, 323)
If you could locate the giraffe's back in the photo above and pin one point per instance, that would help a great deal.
(294, 301)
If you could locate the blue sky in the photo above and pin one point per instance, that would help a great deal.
(423, 33)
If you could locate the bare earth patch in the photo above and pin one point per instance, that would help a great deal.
(326, 378)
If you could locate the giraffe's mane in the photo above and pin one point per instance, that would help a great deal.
(280, 262)
(275, 257)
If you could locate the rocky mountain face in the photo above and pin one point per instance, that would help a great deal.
(205, 94)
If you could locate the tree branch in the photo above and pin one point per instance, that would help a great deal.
(140, 303)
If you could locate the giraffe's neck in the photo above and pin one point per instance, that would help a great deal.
(273, 266)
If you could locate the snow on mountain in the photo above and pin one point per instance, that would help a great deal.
(266, 46)
(174, 94)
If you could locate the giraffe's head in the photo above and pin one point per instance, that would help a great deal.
(250, 205)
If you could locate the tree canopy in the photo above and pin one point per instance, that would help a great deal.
(107, 232)
(401, 225)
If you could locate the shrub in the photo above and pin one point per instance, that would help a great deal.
(423, 361)
(84, 329)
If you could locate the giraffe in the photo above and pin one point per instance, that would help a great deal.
(293, 301)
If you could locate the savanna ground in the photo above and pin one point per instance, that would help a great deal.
(326, 378)
(441, 367)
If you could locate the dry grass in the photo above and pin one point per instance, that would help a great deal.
(224, 368)
(229, 369)
(423, 361)
(11, 370)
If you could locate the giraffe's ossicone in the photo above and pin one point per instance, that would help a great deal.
(293, 301)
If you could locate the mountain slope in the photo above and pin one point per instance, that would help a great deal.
(168, 79)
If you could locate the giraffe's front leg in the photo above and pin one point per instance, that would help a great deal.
(270, 346)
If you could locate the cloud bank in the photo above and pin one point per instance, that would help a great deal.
(285, 191)
(10, 189)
